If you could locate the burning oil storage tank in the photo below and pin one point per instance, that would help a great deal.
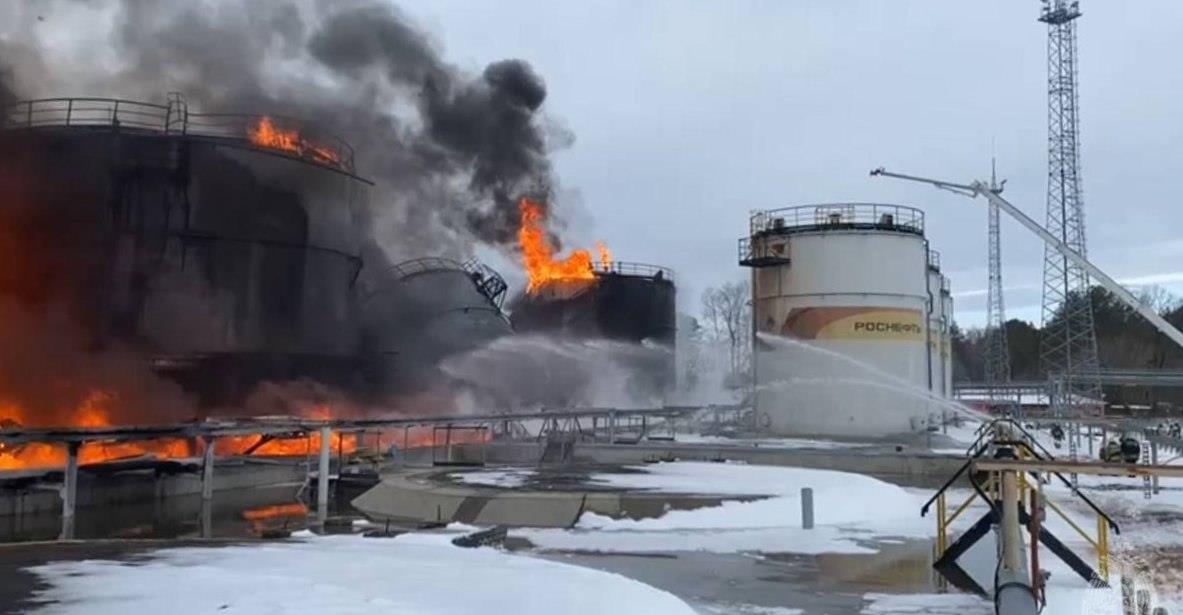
(632, 303)
(424, 310)
(841, 294)
(221, 246)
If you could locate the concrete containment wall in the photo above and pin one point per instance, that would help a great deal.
(147, 485)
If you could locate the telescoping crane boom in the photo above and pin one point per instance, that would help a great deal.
(993, 195)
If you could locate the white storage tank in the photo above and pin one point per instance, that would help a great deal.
(841, 302)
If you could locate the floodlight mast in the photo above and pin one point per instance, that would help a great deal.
(980, 188)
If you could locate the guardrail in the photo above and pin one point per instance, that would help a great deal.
(637, 269)
(176, 119)
(422, 265)
(838, 215)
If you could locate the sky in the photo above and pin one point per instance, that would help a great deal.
(687, 115)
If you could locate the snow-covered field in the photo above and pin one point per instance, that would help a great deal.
(849, 510)
(409, 574)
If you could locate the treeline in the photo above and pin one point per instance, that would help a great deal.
(1124, 339)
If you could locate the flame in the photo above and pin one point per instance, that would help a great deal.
(286, 447)
(538, 255)
(265, 133)
(276, 511)
(605, 256)
(92, 412)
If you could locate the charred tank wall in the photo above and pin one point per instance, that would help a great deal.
(181, 246)
(639, 309)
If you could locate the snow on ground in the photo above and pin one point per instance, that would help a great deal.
(692, 438)
(412, 573)
(926, 604)
(849, 510)
(739, 608)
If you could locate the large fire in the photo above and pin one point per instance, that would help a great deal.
(538, 255)
(265, 133)
(92, 412)
(95, 410)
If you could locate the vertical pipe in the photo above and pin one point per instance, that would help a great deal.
(1035, 505)
(70, 490)
(1102, 549)
(207, 487)
(807, 508)
(207, 469)
(1012, 537)
(1090, 438)
(322, 477)
(942, 512)
(612, 427)
(1013, 592)
(1154, 461)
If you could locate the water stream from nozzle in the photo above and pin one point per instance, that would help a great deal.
(886, 380)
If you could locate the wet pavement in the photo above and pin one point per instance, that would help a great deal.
(815, 584)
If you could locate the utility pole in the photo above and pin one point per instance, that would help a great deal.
(1068, 347)
(998, 372)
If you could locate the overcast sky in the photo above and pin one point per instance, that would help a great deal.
(689, 114)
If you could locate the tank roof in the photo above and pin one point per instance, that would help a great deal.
(638, 270)
(837, 216)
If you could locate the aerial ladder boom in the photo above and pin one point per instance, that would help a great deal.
(993, 195)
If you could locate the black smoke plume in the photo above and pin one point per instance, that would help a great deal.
(449, 150)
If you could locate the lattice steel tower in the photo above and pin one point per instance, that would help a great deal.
(1068, 349)
(997, 351)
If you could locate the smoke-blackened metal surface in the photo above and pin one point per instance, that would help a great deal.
(181, 246)
(639, 309)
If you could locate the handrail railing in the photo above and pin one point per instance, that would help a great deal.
(173, 119)
(837, 215)
(414, 266)
(637, 269)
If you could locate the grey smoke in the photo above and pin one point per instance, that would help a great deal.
(449, 150)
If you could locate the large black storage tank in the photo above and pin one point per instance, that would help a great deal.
(224, 262)
(628, 302)
(425, 310)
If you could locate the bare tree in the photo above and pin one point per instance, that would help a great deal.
(726, 310)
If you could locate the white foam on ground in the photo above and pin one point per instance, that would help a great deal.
(848, 510)
(739, 608)
(691, 438)
(926, 604)
(410, 574)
